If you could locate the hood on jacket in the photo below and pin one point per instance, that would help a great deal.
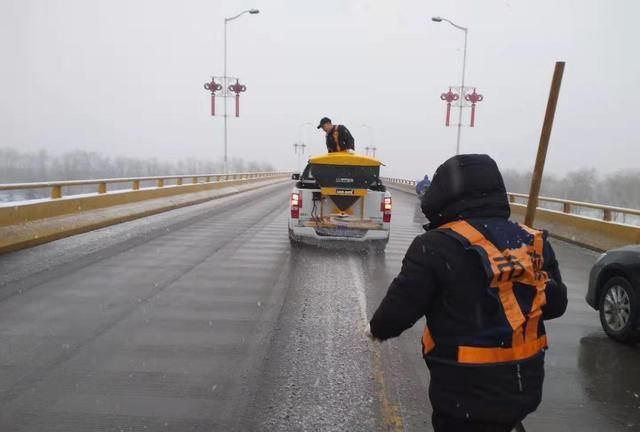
(464, 187)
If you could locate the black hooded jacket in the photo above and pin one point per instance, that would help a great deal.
(446, 283)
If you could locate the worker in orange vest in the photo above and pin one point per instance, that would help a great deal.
(485, 285)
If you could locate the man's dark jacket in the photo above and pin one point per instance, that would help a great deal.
(345, 139)
(447, 284)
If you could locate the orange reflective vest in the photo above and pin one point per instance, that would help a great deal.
(505, 268)
(336, 137)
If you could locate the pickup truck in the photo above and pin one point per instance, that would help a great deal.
(339, 199)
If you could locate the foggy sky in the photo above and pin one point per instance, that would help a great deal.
(126, 77)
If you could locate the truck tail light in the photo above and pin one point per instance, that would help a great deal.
(385, 208)
(296, 205)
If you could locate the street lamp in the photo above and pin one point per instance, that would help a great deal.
(227, 20)
(298, 149)
(464, 64)
(302, 125)
(371, 151)
(371, 148)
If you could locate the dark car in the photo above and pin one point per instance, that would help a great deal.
(614, 290)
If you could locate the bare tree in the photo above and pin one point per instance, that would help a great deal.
(21, 166)
(619, 189)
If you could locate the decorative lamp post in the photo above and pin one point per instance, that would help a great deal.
(225, 86)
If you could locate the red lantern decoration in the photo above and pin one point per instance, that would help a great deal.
(237, 88)
(450, 96)
(213, 87)
(474, 98)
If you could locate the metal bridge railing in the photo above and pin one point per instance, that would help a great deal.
(399, 181)
(597, 211)
(102, 185)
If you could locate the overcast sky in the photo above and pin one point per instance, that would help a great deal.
(126, 77)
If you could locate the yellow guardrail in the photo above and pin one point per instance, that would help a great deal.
(597, 226)
(27, 223)
(102, 184)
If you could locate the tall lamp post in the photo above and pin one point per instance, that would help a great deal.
(371, 151)
(226, 84)
(464, 64)
(371, 148)
(299, 147)
(300, 130)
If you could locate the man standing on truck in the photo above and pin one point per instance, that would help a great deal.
(485, 285)
(338, 137)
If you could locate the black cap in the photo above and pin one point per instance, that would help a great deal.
(323, 121)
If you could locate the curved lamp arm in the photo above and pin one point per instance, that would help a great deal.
(250, 11)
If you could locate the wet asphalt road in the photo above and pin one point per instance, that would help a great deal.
(205, 319)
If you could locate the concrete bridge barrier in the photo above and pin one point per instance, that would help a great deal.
(29, 223)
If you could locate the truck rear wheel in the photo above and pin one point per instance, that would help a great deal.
(292, 240)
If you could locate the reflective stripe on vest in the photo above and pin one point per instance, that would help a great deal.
(427, 341)
(481, 355)
(524, 266)
(336, 137)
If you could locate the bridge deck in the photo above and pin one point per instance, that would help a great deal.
(203, 318)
